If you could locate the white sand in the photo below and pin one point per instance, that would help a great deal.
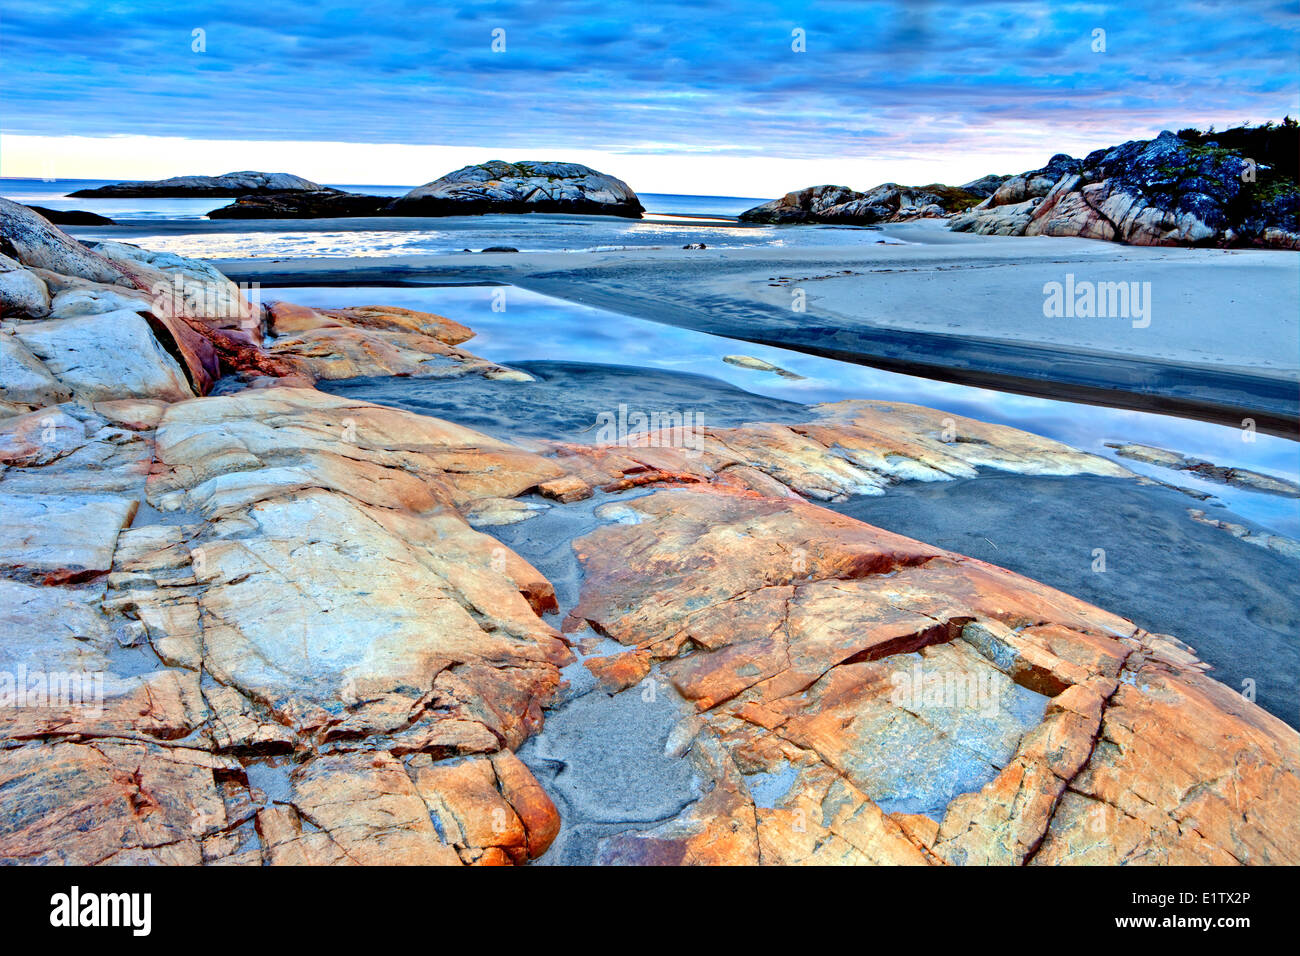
(1234, 309)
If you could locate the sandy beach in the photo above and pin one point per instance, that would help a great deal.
(1213, 342)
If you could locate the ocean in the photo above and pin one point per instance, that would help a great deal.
(181, 226)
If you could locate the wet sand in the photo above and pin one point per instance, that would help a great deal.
(967, 309)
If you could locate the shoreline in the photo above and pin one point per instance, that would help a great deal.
(725, 292)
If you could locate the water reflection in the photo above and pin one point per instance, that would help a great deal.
(535, 327)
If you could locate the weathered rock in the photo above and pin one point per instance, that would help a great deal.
(1186, 189)
(112, 803)
(230, 184)
(287, 318)
(878, 700)
(22, 292)
(758, 365)
(1240, 477)
(336, 602)
(340, 352)
(303, 204)
(1263, 539)
(888, 202)
(34, 241)
(26, 380)
(499, 187)
(179, 286)
(107, 356)
(61, 537)
(852, 448)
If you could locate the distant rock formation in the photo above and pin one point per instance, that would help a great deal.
(1232, 188)
(888, 202)
(492, 187)
(72, 217)
(499, 187)
(245, 183)
(303, 204)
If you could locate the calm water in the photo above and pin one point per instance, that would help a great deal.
(180, 226)
(535, 327)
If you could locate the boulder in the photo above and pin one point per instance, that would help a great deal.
(35, 242)
(230, 184)
(521, 187)
(22, 293)
(865, 698)
(107, 356)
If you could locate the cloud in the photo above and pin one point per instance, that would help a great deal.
(890, 79)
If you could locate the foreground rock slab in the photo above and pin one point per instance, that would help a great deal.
(297, 651)
(866, 698)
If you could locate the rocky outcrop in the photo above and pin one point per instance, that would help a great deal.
(1220, 474)
(245, 183)
(521, 187)
(312, 659)
(72, 217)
(374, 340)
(117, 321)
(31, 240)
(889, 202)
(864, 698)
(492, 187)
(263, 628)
(303, 204)
(850, 448)
(1184, 189)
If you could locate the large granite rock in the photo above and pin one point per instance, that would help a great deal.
(105, 356)
(345, 663)
(519, 187)
(32, 240)
(1186, 189)
(888, 202)
(865, 698)
(243, 183)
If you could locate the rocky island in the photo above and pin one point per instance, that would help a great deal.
(492, 187)
(246, 183)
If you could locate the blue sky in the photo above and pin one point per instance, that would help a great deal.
(881, 87)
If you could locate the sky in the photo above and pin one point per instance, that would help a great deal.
(740, 98)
